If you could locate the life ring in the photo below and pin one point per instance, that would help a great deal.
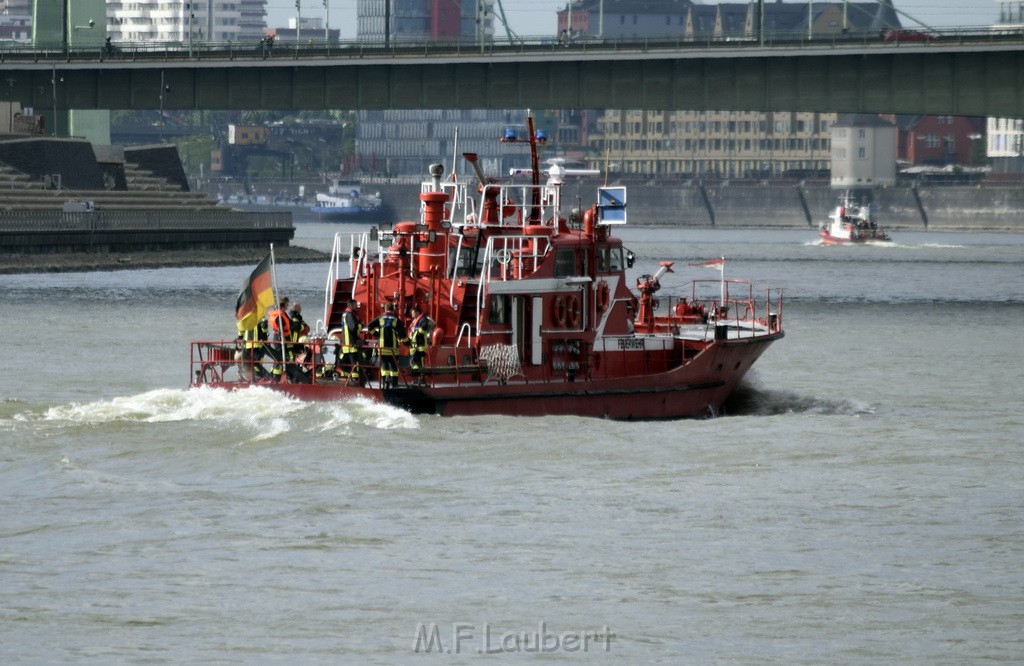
(559, 311)
(603, 294)
(574, 311)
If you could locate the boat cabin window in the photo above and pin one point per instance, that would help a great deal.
(565, 263)
(609, 260)
(467, 264)
(571, 262)
(497, 310)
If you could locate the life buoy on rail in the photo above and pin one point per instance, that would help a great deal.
(559, 311)
(574, 311)
(603, 293)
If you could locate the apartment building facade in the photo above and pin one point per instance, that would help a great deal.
(696, 21)
(863, 151)
(16, 20)
(186, 20)
(723, 144)
(417, 20)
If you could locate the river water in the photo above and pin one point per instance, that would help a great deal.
(861, 501)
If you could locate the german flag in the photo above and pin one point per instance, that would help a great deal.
(256, 296)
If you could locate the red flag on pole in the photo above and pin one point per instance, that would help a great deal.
(256, 296)
(717, 264)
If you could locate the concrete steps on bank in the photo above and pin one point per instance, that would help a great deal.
(147, 192)
(11, 200)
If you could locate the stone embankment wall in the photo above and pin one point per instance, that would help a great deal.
(790, 205)
(43, 232)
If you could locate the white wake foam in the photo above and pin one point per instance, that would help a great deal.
(260, 411)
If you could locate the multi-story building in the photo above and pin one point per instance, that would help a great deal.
(16, 25)
(185, 20)
(310, 29)
(403, 142)
(1011, 13)
(252, 19)
(725, 144)
(16, 20)
(413, 20)
(697, 20)
(617, 18)
(152, 20)
(1005, 144)
(1004, 137)
(863, 152)
(937, 140)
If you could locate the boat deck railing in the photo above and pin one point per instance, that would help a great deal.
(349, 257)
(736, 306)
(516, 207)
(222, 363)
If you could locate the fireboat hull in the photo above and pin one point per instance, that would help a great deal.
(697, 389)
(829, 239)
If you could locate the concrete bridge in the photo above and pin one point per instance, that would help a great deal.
(977, 74)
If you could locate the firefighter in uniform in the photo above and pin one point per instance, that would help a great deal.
(252, 350)
(280, 333)
(389, 331)
(420, 327)
(298, 325)
(299, 334)
(348, 356)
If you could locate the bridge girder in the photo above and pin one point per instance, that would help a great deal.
(925, 81)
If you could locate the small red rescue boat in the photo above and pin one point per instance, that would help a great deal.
(852, 223)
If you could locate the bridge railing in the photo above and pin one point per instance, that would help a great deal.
(540, 44)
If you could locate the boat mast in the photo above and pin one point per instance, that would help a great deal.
(277, 300)
(535, 171)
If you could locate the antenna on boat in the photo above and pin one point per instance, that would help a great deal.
(455, 155)
(534, 158)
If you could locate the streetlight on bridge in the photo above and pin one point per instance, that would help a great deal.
(163, 90)
(53, 82)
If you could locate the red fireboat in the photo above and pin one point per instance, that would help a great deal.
(852, 223)
(532, 309)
